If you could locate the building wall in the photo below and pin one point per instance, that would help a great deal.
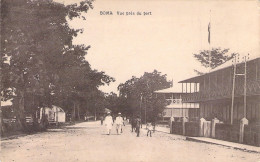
(175, 112)
(219, 84)
(221, 109)
(192, 114)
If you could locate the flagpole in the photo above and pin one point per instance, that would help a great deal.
(209, 40)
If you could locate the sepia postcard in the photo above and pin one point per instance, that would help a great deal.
(130, 81)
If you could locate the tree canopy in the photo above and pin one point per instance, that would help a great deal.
(138, 94)
(38, 59)
(217, 57)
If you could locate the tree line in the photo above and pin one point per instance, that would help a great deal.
(40, 65)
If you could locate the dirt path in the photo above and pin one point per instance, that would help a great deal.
(88, 142)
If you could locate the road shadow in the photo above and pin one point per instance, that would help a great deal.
(80, 127)
(56, 130)
(74, 128)
(111, 134)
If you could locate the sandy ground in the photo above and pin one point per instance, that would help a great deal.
(88, 142)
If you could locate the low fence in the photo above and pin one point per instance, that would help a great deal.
(239, 133)
(177, 128)
(227, 132)
(252, 135)
(192, 129)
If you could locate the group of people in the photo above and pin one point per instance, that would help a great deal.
(119, 121)
(136, 124)
(109, 123)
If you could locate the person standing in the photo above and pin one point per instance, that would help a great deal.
(102, 119)
(133, 123)
(149, 129)
(108, 123)
(138, 125)
(119, 122)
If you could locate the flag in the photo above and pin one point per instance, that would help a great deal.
(209, 33)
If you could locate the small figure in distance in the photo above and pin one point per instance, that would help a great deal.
(138, 125)
(149, 129)
(101, 119)
(133, 124)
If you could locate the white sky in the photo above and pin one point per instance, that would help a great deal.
(126, 46)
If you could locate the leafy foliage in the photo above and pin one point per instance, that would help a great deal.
(138, 96)
(217, 57)
(44, 66)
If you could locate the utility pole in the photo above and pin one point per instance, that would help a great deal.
(145, 111)
(233, 91)
(141, 98)
(95, 113)
(245, 85)
(209, 40)
(181, 100)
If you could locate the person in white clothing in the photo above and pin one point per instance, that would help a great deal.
(108, 123)
(119, 122)
(149, 129)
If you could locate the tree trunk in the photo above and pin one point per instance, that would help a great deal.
(78, 111)
(73, 112)
(20, 111)
(57, 116)
(1, 119)
(44, 121)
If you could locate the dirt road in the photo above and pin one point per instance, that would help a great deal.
(88, 142)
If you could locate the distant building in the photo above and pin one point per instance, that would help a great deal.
(54, 114)
(175, 107)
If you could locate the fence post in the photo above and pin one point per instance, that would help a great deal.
(171, 120)
(213, 127)
(243, 122)
(184, 119)
(202, 120)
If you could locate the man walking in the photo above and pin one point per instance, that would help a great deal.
(149, 129)
(108, 123)
(133, 123)
(138, 125)
(119, 122)
(102, 119)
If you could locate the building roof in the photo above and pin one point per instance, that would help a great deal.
(177, 88)
(220, 67)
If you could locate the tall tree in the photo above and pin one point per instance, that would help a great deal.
(213, 58)
(138, 93)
